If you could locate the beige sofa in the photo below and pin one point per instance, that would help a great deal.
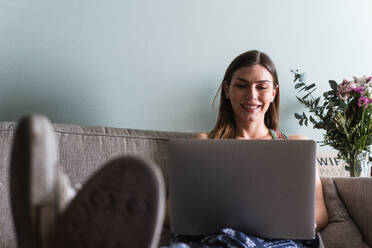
(83, 150)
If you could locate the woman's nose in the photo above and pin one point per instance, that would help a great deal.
(251, 94)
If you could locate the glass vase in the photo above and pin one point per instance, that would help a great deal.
(362, 167)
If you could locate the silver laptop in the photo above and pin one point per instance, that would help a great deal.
(260, 187)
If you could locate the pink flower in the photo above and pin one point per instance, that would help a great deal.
(359, 89)
(364, 101)
(344, 89)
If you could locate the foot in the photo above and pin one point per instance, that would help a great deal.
(122, 205)
(32, 181)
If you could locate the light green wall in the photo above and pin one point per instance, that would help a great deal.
(157, 64)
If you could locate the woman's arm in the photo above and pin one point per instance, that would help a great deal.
(167, 209)
(321, 214)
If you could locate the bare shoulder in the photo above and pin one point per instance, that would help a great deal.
(200, 136)
(297, 136)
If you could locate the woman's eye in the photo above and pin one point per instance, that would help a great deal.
(240, 85)
(261, 87)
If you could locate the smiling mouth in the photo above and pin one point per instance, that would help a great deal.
(250, 107)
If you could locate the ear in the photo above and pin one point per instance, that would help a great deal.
(225, 88)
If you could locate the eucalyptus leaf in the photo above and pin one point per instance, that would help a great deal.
(298, 85)
(308, 94)
(310, 86)
(312, 119)
(333, 84)
(298, 116)
(297, 77)
(300, 100)
(316, 101)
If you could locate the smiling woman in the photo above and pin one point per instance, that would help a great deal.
(250, 89)
(251, 92)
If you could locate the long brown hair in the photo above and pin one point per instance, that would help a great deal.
(225, 125)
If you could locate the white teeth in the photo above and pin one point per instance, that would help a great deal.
(250, 107)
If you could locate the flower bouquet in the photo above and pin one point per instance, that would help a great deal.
(344, 112)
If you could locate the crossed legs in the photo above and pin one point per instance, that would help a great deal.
(121, 205)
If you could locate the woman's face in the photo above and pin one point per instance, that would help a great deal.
(251, 91)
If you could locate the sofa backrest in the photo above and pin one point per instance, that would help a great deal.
(83, 150)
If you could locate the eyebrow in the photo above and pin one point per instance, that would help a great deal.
(260, 81)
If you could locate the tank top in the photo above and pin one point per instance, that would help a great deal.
(277, 135)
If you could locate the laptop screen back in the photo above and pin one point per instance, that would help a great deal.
(261, 187)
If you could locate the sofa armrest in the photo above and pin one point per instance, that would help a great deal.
(356, 194)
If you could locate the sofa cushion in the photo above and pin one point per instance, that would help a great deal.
(356, 193)
(341, 230)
